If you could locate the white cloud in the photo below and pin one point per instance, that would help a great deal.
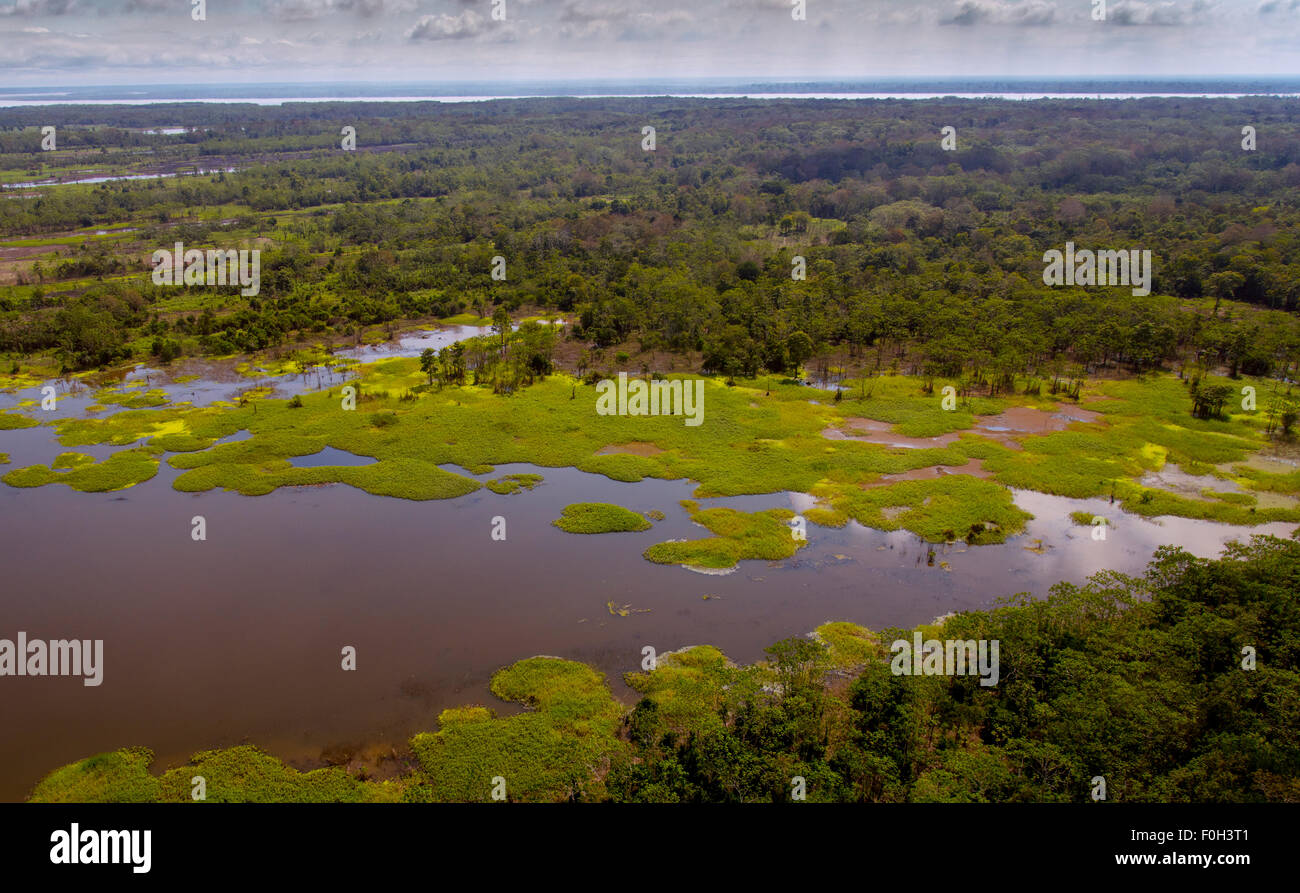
(447, 27)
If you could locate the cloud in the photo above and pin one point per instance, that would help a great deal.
(39, 8)
(1001, 12)
(583, 20)
(308, 10)
(1165, 12)
(447, 27)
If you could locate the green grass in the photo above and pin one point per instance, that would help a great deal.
(1151, 503)
(848, 644)
(757, 437)
(241, 774)
(738, 536)
(953, 507)
(514, 483)
(123, 469)
(1229, 496)
(247, 775)
(687, 688)
(599, 517)
(121, 776)
(11, 420)
(543, 754)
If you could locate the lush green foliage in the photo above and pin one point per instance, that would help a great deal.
(599, 517)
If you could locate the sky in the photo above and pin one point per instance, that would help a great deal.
(88, 42)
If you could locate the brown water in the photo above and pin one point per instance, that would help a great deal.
(238, 638)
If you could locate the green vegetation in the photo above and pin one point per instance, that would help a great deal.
(848, 645)
(759, 437)
(514, 483)
(737, 536)
(11, 420)
(923, 274)
(553, 752)
(121, 776)
(123, 469)
(599, 517)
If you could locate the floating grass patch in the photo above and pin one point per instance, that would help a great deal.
(738, 536)
(402, 478)
(121, 470)
(11, 420)
(549, 753)
(514, 483)
(1150, 503)
(599, 517)
(953, 507)
(131, 399)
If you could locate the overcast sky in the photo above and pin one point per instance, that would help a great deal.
(73, 42)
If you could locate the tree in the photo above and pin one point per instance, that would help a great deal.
(1224, 285)
(501, 326)
(428, 362)
(799, 347)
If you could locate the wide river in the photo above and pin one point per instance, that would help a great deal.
(237, 638)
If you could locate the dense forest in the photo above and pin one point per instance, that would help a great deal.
(1141, 681)
(756, 236)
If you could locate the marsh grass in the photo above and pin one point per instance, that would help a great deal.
(120, 776)
(600, 517)
(687, 688)
(514, 483)
(758, 437)
(545, 754)
(848, 645)
(738, 536)
(11, 420)
(123, 469)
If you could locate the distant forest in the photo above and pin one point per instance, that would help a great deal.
(915, 258)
